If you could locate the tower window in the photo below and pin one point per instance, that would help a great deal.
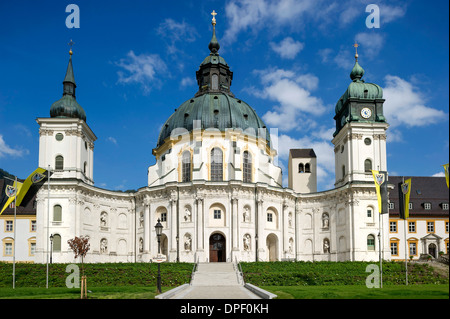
(216, 164)
(307, 168)
(371, 242)
(247, 167)
(301, 168)
(367, 166)
(57, 213)
(59, 163)
(186, 167)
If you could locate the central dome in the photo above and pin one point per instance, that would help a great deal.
(216, 111)
(214, 105)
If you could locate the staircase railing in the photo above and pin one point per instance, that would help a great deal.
(238, 269)
(194, 269)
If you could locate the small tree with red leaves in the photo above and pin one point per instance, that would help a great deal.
(80, 247)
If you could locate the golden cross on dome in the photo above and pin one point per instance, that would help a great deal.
(214, 13)
(71, 43)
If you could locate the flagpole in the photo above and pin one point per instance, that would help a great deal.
(14, 241)
(379, 245)
(404, 223)
(48, 219)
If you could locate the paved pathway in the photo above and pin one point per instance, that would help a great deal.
(215, 281)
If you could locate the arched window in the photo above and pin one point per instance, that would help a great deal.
(371, 242)
(186, 166)
(59, 163)
(57, 213)
(247, 167)
(301, 168)
(343, 171)
(56, 242)
(368, 166)
(85, 168)
(216, 164)
(307, 168)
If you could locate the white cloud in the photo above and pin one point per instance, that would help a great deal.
(141, 69)
(371, 43)
(405, 105)
(440, 174)
(187, 81)
(288, 48)
(112, 140)
(291, 92)
(256, 14)
(176, 33)
(391, 13)
(6, 150)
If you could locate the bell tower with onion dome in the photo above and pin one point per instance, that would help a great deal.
(360, 136)
(66, 142)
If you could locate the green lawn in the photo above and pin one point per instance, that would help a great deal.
(361, 292)
(283, 292)
(288, 280)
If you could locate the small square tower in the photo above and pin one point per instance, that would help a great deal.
(303, 170)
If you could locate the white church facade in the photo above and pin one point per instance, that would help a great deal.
(215, 186)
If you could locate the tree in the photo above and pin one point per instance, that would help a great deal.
(80, 247)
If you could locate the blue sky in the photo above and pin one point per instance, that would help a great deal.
(135, 62)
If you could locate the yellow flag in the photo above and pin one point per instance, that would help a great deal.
(11, 191)
(31, 185)
(446, 173)
(405, 191)
(380, 179)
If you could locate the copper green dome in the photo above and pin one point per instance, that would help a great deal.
(214, 105)
(358, 88)
(67, 106)
(216, 111)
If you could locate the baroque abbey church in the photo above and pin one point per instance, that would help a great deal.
(215, 187)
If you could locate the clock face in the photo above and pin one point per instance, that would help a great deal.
(366, 113)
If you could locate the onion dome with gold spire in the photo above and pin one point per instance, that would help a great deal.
(67, 106)
(214, 105)
(361, 102)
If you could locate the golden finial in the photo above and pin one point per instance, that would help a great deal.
(356, 45)
(71, 43)
(214, 13)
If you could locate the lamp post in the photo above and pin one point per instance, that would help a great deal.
(158, 228)
(51, 247)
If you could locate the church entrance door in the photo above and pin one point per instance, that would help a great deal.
(217, 246)
(432, 250)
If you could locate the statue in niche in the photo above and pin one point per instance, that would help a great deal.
(325, 220)
(141, 245)
(187, 215)
(290, 219)
(246, 215)
(247, 239)
(291, 243)
(104, 246)
(326, 246)
(141, 219)
(187, 242)
(103, 219)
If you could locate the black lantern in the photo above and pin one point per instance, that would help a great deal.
(158, 229)
(51, 247)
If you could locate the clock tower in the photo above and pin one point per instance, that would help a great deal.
(360, 136)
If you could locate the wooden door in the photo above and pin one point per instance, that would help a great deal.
(217, 248)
